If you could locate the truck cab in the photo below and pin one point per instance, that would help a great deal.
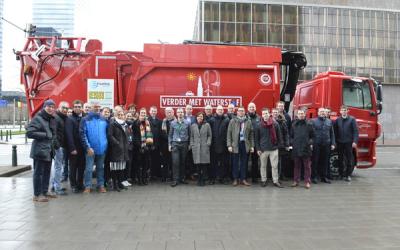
(362, 95)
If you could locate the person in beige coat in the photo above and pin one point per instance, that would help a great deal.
(200, 142)
(240, 141)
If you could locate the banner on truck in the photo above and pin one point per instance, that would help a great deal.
(174, 101)
(102, 91)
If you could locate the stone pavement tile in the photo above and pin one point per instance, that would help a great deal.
(140, 236)
(34, 245)
(193, 235)
(33, 235)
(180, 245)
(10, 244)
(333, 243)
(269, 244)
(298, 244)
(219, 235)
(118, 245)
(112, 236)
(10, 235)
(151, 245)
(12, 225)
(208, 245)
(236, 245)
(372, 241)
(164, 236)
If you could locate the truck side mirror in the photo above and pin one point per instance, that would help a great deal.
(379, 98)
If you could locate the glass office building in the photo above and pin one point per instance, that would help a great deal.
(356, 40)
(1, 42)
(57, 15)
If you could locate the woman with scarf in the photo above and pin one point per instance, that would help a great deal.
(119, 154)
(268, 138)
(146, 145)
(200, 142)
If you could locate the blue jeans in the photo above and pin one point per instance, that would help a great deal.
(41, 177)
(240, 163)
(59, 163)
(99, 161)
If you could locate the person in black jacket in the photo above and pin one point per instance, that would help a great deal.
(118, 143)
(301, 140)
(146, 143)
(284, 157)
(346, 133)
(59, 161)
(42, 129)
(323, 143)
(155, 124)
(74, 148)
(255, 121)
(219, 152)
(166, 170)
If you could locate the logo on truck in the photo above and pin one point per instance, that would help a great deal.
(265, 79)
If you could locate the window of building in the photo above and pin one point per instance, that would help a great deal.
(259, 33)
(211, 31)
(304, 16)
(243, 33)
(211, 11)
(259, 13)
(332, 19)
(227, 12)
(290, 34)
(290, 14)
(305, 35)
(243, 12)
(318, 16)
(275, 34)
(227, 32)
(275, 14)
(357, 94)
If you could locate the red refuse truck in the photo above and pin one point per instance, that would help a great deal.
(174, 75)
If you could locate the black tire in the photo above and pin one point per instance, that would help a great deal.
(334, 165)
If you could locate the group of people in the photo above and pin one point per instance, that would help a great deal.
(127, 146)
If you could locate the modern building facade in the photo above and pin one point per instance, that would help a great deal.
(357, 37)
(1, 42)
(57, 15)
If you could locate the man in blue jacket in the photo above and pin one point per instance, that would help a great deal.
(323, 143)
(346, 132)
(93, 131)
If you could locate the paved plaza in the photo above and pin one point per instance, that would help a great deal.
(363, 214)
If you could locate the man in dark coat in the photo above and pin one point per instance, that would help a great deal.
(255, 122)
(346, 133)
(301, 139)
(155, 124)
(74, 148)
(323, 143)
(59, 160)
(42, 129)
(284, 159)
(219, 152)
(166, 170)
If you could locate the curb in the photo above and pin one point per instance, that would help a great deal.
(15, 170)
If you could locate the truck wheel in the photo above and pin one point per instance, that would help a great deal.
(334, 164)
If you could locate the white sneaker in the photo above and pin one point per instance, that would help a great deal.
(128, 183)
(124, 183)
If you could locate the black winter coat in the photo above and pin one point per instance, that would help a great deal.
(301, 138)
(72, 136)
(263, 140)
(42, 129)
(60, 119)
(155, 125)
(346, 130)
(283, 126)
(219, 129)
(323, 131)
(118, 142)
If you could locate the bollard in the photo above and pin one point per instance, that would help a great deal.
(26, 139)
(6, 135)
(14, 156)
(1, 135)
(10, 135)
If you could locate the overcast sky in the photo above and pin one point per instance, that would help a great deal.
(119, 24)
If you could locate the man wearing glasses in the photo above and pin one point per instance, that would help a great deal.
(59, 161)
(74, 148)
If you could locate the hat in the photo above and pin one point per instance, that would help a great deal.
(48, 103)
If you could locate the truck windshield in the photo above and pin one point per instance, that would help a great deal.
(357, 94)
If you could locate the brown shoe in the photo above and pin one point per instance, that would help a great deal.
(86, 191)
(245, 183)
(295, 184)
(40, 199)
(102, 190)
(235, 183)
(50, 196)
(308, 185)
